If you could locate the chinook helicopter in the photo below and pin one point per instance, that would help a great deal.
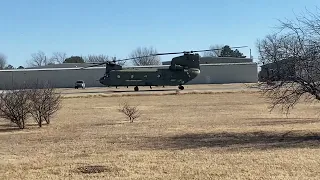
(182, 69)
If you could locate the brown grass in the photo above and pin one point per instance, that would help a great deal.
(194, 136)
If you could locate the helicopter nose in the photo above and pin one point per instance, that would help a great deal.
(194, 72)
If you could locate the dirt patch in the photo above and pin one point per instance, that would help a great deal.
(92, 169)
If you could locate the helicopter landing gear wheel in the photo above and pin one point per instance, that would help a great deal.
(181, 87)
(136, 88)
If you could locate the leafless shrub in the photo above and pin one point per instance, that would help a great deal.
(44, 102)
(39, 101)
(14, 106)
(132, 112)
(292, 62)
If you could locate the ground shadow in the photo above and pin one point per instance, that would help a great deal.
(118, 91)
(234, 140)
(9, 129)
(146, 90)
(281, 121)
(13, 127)
(108, 124)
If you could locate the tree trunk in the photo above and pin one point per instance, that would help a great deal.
(20, 124)
(47, 119)
(40, 122)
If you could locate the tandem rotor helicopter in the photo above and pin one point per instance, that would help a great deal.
(182, 69)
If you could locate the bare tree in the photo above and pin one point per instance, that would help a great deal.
(44, 102)
(3, 61)
(58, 57)
(14, 106)
(102, 58)
(39, 59)
(132, 112)
(216, 51)
(293, 56)
(144, 57)
(276, 47)
(96, 58)
(40, 100)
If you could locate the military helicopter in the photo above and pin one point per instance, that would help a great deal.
(183, 69)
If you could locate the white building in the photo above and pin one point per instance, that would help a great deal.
(213, 70)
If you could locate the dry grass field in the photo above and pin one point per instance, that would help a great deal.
(192, 136)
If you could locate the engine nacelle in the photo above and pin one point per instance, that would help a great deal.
(186, 61)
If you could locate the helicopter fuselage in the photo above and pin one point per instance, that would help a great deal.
(182, 70)
(149, 77)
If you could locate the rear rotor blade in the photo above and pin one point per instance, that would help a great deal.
(158, 54)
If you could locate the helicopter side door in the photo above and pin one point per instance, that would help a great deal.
(169, 77)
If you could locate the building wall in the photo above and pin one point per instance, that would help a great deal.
(65, 78)
(227, 73)
(58, 78)
(210, 60)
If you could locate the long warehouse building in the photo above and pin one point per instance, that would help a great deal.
(213, 70)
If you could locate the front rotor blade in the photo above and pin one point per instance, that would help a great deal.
(219, 49)
(170, 53)
(159, 54)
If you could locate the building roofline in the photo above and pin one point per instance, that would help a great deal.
(129, 67)
(225, 57)
(50, 69)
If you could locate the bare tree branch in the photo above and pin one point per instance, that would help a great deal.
(14, 106)
(214, 52)
(292, 58)
(145, 61)
(44, 102)
(58, 57)
(39, 59)
(96, 58)
(132, 112)
(102, 58)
